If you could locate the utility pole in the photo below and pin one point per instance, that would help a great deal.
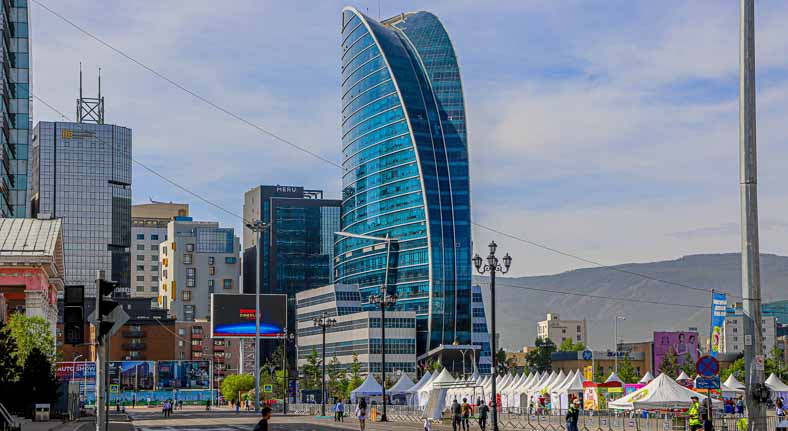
(258, 226)
(750, 251)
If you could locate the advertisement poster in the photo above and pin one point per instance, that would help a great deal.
(233, 315)
(184, 374)
(132, 375)
(719, 305)
(83, 372)
(683, 344)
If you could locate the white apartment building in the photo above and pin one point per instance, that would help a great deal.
(733, 333)
(148, 230)
(356, 331)
(196, 260)
(558, 330)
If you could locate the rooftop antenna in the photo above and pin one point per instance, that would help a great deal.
(90, 109)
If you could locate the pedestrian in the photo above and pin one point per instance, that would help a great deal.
(694, 415)
(263, 424)
(427, 424)
(740, 406)
(483, 410)
(465, 410)
(147, 402)
(456, 415)
(361, 414)
(207, 405)
(780, 408)
(707, 414)
(133, 400)
(572, 415)
(339, 411)
(237, 406)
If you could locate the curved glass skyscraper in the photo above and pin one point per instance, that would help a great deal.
(405, 170)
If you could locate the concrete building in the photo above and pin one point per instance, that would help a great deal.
(143, 339)
(559, 330)
(81, 172)
(193, 341)
(148, 230)
(356, 331)
(480, 335)
(196, 260)
(603, 361)
(31, 267)
(733, 333)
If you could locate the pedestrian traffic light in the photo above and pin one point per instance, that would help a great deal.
(104, 308)
(74, 315)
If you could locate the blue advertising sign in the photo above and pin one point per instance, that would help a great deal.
(707, 383)
(719, 304)
(184, 374)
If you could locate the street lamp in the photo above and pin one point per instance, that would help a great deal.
(257, 226)
(492, 267)
(285, 369)
(383, 300)
(616, 340)
(324, 322)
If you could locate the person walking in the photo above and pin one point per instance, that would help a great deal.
(740, 406)
(465, 410)
(694, 415)
(265, 412)
(707, 414)
(572, 415)
(779, 407)
(456, 415)
(361, 414)
(483, 411)
(339, 411)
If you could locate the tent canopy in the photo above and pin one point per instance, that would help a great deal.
(422, 381)
(662, 392)
(775, 384)
(402, 386)
(683, 376)
(732, 383)
(444, 378)
(646, 378)
(614, 378)
(370, 387)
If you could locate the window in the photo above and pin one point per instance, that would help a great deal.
(227, 283)
(141, 247)
(141, 236)
(190, 282)
(186, 295)
(211, 262)
(187, 259)
(180, 354)
(142, 278)
(142, 289)
(141, 257)
(212, 271)
(191, 272)
(182, 331)
(188, 312)
(154, 247)
(164, 250)
(579, 338)
(154, 278)
(198, 342)
(154, 289)
(230, 260)
(154, 268)
(140, 267)
(155, 237)
(180, 342)
(210, 284)
(190, 247)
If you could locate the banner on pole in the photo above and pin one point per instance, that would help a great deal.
(719, 305)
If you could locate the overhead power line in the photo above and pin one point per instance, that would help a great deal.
(279, 138)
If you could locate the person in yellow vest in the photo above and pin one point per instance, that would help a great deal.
(694, 415)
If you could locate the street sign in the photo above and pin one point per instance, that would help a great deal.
(707, 366)
(114, 388)
(759, 362)
(707, 382)
(587, 355)
(268, 388)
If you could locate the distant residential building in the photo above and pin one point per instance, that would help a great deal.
(480, 335)
(356, 331)
(558, 330)
(196, 260)
(148, 230)
(31, 267)
(81, 172)
(298, 248)
(143, 340)
(733, 338)
(193, 342)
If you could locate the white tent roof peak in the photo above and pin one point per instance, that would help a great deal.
(444, 377)
(732, 383)
(614, 378)
(775, 384)
(402, 386)
(422, 381)
(662, 392)
(683, 376)
(646, 378)
(369, 387)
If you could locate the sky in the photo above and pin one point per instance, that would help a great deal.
(605, 129)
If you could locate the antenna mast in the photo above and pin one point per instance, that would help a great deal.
(90, 109)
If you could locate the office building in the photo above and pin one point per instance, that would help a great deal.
(405, 171)
(297, 251)
(31, 268)
(356, 332)
(480, 335)
(16, 109)
(558, 330)
(81, 172)
(197, 260)
(733, 333)
(193, 342)
(148, 230)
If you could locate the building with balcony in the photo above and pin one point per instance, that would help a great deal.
(197, 260)
(148, 230)
(193, 342)
(558, 330)
(143, 340)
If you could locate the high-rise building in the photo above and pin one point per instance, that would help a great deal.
(16, 109)
(558, 330)
(298, 248)
(148, 230)
(405, 171)
(197, 260)
(481, 333)
(81, 172)
(733, 337)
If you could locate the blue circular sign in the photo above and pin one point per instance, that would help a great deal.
(707, 366)
(587, 355)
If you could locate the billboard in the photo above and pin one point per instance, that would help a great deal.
(682, 344)
(232, 315)
(184, 374)
(719, 306)
(131, 375)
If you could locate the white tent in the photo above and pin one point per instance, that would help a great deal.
(401, 387)
(614, 378)
(662, 392)
(646, 378)
(422, 381)
(732, 383)
(573, 385)
(776, 385)
(683, 376)
(369, 388)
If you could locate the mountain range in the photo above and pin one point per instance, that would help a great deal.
(523, 301)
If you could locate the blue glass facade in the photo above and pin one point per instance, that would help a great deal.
(405, 170)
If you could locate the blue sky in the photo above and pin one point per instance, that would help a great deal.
(607, 129)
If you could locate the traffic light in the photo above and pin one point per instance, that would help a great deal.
(104, 308)
(74, 315)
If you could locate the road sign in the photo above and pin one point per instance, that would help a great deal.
(268, 388)
(707, 382)
(587, 355)
(759, 362)
(707, 366)
(114, 388)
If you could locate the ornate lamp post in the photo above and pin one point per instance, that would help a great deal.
(384, 300)
(492, 267)
(324, 322)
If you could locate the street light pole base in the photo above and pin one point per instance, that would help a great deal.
(383, 418)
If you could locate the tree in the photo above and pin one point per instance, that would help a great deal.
(30, 333)
(626, 371)
(669, 364)
(688, 365)
(9, 368)
(235, 383)
(337, 384)
(37, 382)
(539, 358)
(312, 371)
(355, 376)
(736, 368)
(568, 346)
